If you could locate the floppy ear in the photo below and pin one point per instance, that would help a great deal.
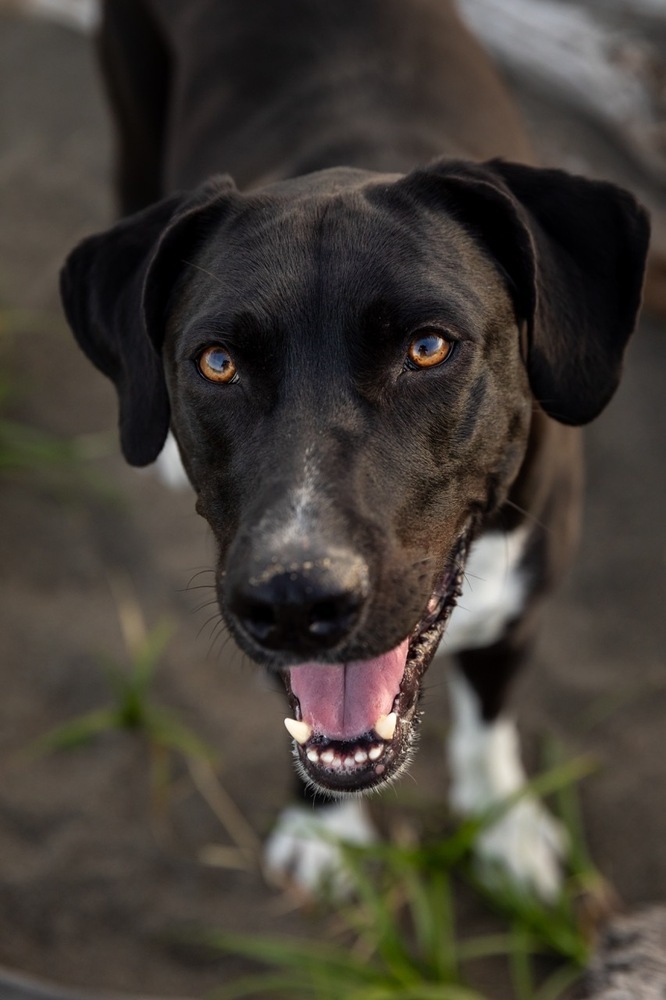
(574, 253)
(115, 288)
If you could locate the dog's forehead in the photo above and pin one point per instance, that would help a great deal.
(342, 232)
(325, 218)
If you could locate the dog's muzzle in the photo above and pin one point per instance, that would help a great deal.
(353, 723)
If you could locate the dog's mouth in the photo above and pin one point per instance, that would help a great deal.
(355, 723)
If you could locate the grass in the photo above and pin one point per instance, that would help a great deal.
(399, 937)
(28, 450)
(133, 709)
(50, 459)
(132, 706)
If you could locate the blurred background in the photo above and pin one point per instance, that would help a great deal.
(106, 848)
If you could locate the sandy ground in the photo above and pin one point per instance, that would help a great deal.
(92, 878)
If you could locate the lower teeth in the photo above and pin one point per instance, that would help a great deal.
(329, 758)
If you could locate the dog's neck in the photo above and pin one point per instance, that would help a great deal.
(332, 90)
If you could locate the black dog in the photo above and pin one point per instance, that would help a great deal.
(371, 359)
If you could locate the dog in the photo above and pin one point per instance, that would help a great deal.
(374, 346)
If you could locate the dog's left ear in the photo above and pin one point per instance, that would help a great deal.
(574, 252)
(116, 287)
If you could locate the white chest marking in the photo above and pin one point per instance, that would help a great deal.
(169, 468)
(494, 591)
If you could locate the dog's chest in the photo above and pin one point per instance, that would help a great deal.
(495, 589)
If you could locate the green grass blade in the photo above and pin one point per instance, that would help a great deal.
(568, 809)
(149, 653)
(484, 946)
(423, 991)
(290, 953)
(23, 447)
(431, 908)
(76, 733)
(557, 983)
(165, 729)
(520, 962)
(552, 926)
(384, 933)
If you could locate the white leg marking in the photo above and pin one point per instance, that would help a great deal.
(494, 591)
(486, 768)
(302, 851)
(169, 468)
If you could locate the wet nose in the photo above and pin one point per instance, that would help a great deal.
(301, 606)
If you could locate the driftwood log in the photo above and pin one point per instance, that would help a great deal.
(605, 59)
(630, 961)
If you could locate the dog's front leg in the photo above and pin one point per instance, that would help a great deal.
(490, 634)
(526, 845)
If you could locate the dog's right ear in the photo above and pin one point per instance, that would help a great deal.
(104, 288)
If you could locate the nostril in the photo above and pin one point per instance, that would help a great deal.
(258, 618)
(323, 611)
(332, 616)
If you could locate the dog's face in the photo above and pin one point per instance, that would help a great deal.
(347, 389)
(351, 394)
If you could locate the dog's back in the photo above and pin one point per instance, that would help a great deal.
(270, 90)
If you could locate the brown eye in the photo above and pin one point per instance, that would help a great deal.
(428, 350)
(216, 365)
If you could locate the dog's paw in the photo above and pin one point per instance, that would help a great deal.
(304, 851)
(525, 848)
(169, 468)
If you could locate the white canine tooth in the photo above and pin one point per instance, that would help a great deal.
(299, 731)
(313, 755)
(385, 726)
(360, 756)
(327, 756)
(374, 753)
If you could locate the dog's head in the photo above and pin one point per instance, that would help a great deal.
(350, 362)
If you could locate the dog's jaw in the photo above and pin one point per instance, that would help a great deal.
(342, 761)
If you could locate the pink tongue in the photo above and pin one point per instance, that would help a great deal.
(344, 700)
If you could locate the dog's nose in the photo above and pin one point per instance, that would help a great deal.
(301, 606)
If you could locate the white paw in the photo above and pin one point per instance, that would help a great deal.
(527, 845)
(169, 468)
(302, 849)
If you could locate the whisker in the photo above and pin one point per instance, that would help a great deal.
(217, 618)
(216, 635)
(198, 573)
(527, 514)
(206, 604)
